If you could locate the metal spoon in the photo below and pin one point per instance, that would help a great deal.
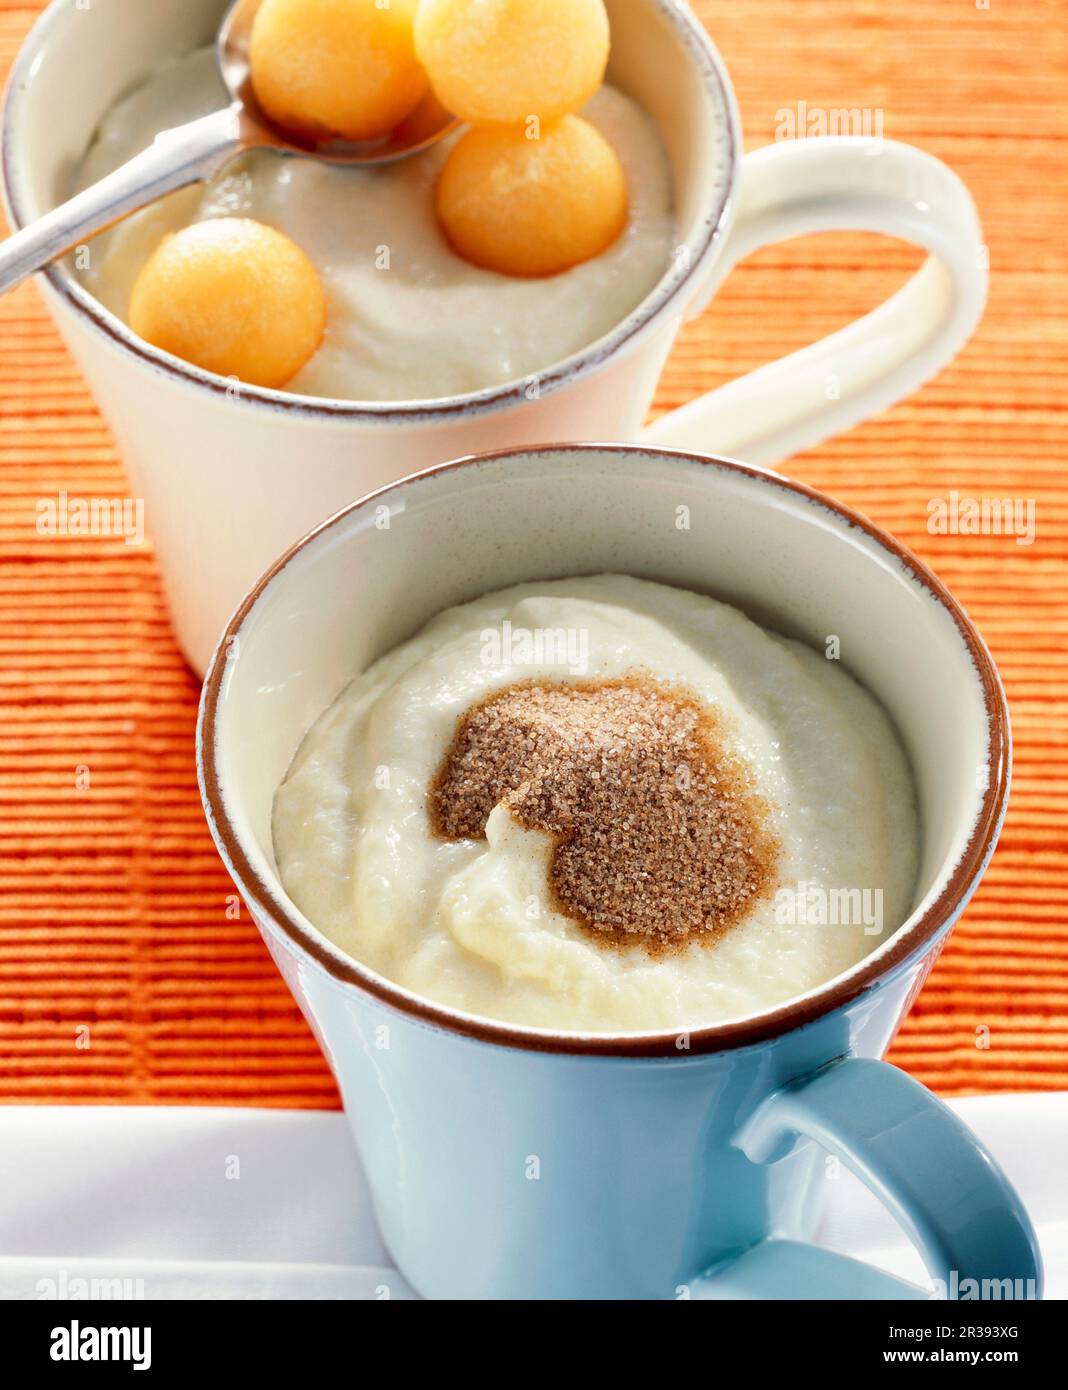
(196, 152)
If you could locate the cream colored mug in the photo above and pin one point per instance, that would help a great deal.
(230, 479)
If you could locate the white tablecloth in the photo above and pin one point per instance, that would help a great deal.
(204, 1203)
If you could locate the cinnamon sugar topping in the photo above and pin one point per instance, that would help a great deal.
(660, 838)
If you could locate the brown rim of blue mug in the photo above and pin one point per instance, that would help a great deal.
(783, 1019)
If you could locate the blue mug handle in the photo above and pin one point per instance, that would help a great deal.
(926, 1167)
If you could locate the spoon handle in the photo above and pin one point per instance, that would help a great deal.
(188, 154)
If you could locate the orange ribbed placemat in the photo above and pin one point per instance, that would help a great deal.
(121, 977)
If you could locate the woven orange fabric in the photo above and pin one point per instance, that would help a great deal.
(113, 903)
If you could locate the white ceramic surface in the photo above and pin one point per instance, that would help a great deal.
(161, 1217)
(229, 478)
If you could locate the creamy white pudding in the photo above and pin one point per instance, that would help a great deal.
(407, 317)
(474, 922)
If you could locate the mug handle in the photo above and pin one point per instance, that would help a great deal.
(842, 184)
(927, 1168)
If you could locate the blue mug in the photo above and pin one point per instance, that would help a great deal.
(510, 1162)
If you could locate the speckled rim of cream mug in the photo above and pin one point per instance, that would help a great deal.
(665, 1161)
(231, 477)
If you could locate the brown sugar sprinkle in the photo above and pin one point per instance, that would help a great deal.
(660, 837)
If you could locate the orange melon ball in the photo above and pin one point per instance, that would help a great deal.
(346, 69)
(500, 61)
(531, 207)
(234, 297)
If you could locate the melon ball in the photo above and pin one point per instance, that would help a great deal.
(500, 61)
(531, 207)
(346, 69)
(234, 297)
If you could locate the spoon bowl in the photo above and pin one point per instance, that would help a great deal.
(425, 126)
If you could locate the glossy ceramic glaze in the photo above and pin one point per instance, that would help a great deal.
(509, 1162)
(230, 476)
